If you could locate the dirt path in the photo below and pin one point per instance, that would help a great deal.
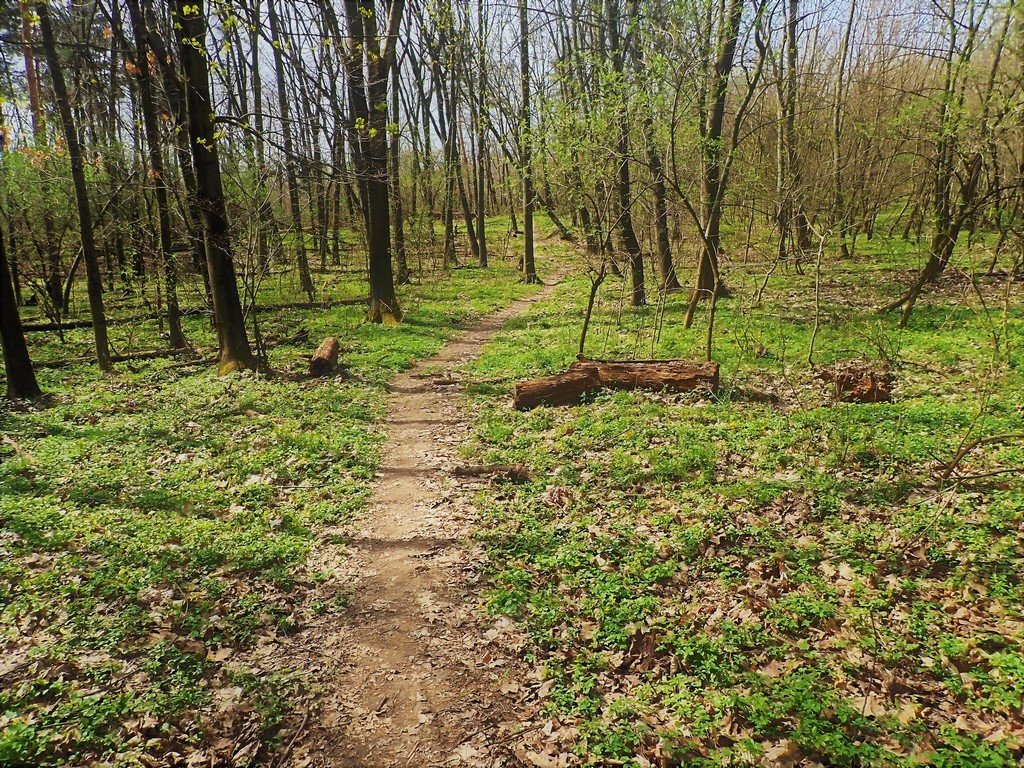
(420, 685)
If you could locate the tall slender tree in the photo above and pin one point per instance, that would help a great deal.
(624, 184)
(288, 146)
(368, 63)
(94, 280)
(481, 134)
(526, 145)
(150, 118)
(191, 27)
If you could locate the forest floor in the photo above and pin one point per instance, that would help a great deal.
(768, 576)
(164, 532)
(421, 678)
(279, 572)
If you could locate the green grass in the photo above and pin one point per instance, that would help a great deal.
(720, 581)
(155, 525)
(702, 582)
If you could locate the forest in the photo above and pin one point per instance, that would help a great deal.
(512, 383)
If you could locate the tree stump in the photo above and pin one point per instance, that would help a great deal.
(324, 361)
(859, 382)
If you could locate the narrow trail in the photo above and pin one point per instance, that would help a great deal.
(418, 686)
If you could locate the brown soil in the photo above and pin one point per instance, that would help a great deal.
(412, 673)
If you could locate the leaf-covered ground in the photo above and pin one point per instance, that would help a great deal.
(729, 581)
(155, 523)
(766, 577)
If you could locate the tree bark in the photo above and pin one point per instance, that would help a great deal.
(711, 140)
(627, 233)
(566, 388)
(324, 361)
(21, 379)
(288, 143)
(481, 136)
(586, 376)
(397, 213)
(368, 65)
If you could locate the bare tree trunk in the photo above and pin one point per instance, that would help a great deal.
(526, 146)
(397, 213)
(839, 218)
(481, 136)
(21, 379)
(288, 143)
(627, 233)
(54, 275)
(176, 97)
(368, 66)
(191, 24)
(94, 280)
(151, 127)
(714, 189)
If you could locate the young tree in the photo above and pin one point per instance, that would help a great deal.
(956, 167)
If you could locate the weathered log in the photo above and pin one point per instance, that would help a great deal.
(324, 361)
(587, 375)
(349, 302)
(562, 389)
(672, 375)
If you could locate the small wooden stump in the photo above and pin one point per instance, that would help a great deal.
(324, 361)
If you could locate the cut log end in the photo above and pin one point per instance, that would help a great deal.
(324, 361)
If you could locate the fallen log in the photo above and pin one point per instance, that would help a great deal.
(586, 376)
(149, 355)
(561, 389)
(271, 343)
(657, 375)
(70, 325)
(349, 302)
(512, 473)
(324, 361)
